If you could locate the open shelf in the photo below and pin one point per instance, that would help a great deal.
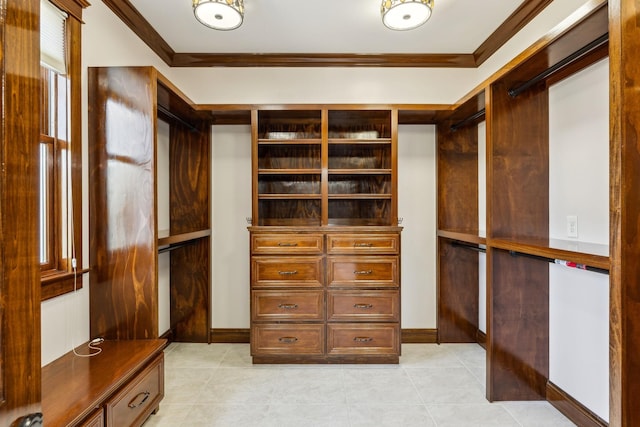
(463, 236)
(165, 239)
(591, 254)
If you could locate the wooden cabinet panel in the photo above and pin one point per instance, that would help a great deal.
(266, 244)
(366, 244)
(359, 305)
(94, 420)
(133, 404)
(287, 305)
(289, 271)
(363, 339)
(379, 271)
(287, 339)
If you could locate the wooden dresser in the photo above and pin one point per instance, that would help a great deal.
(120, 387)
(325, 296)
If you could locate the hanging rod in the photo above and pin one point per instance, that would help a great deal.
(470, 247)
(600, 41)
(180, 120)
(562, 262)
(173, 247)
(454, 127)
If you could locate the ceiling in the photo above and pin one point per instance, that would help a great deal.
(460, 33)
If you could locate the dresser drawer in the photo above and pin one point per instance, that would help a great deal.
(266, 244)
(287, 305)
(133, 404)
(286, 271)
(363, 244)
(354, 306)
(363, 339)
(287, 339)
(375, 271)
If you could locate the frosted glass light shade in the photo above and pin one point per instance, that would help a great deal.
(219, 14)
(405, 14)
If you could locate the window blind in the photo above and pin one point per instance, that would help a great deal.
(52, 37)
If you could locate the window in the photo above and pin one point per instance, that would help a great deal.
(60, 151)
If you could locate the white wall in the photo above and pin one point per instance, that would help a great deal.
(579, 178)
(417, 208)
(231, 205)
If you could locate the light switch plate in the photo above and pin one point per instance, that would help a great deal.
(572, 226)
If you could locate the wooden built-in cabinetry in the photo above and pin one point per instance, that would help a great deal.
(125, 104)
(325, 245)
(121, 386)
(515, 105)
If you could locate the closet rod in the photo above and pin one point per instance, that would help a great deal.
(470, 247)
(454, 127)
(171, 115)
(562, 262)
(600, 41)
(173, 247)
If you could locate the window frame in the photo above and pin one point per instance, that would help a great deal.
(58, 277)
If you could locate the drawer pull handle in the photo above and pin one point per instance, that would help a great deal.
(288, 340)
(363, 306)
(362, 245)
(145, 395)
(287, 244)
(288, 306)
(363, 272)
(287, 273)
(363, 339)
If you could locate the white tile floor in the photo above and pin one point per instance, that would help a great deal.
(434, 385)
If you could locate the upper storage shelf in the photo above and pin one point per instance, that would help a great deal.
(325, 166)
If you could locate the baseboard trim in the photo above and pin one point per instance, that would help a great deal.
(167, 336)
(241, 336)
(572, 409)
(226, 335)
(419, 336)
(481, 338)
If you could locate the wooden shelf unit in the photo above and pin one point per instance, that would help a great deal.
(125, 104)
(517, 243)
(325, 175)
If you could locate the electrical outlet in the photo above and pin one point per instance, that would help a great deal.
(572, 226)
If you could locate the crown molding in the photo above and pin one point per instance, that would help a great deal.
(128, 14)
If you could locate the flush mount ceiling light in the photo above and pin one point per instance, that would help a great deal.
(219, 14)
(405, 14)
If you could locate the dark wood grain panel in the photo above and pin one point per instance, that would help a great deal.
(191, 292)
(457, 293)
(189, 178)
(624, 229)
(518, 327)
(19, 264)
(518, 148)
(457, 168)
(123, 241)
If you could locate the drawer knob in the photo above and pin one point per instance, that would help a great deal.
(140, 398)
(288, 340)
(363, 272)
(362, 245)
(288, 306)
(287, 273)
(363, 339)
(287, 244)
(363, 306)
